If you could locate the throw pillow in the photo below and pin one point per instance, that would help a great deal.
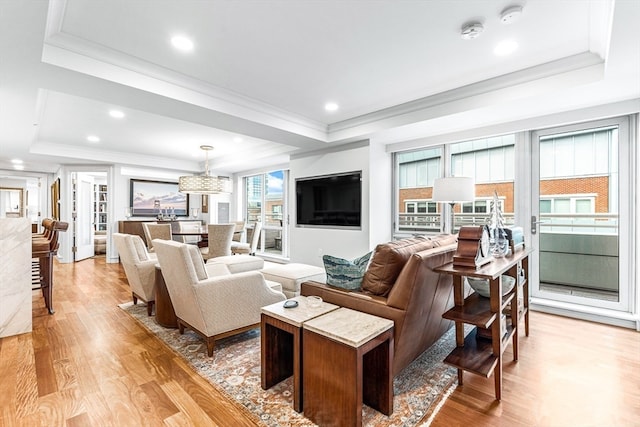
(343, 273)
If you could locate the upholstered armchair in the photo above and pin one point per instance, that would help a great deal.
(214, 307)
(139, 267)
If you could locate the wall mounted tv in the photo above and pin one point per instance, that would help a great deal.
(329, 201)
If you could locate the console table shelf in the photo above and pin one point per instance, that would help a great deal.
(477, 311)
(478, 355)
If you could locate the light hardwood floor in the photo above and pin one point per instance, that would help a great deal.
(90, 364)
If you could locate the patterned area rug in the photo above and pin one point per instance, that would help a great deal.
(419, 390)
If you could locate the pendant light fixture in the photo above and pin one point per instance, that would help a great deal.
(204, 184)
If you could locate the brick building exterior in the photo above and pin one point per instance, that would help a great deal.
(598, 185)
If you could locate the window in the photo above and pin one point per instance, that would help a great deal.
(577, 154)
(419, 168)
(421, 207)
(490, 161)
(487, 160)
(264, 202)
(567, 205)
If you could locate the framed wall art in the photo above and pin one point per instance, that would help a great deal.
(150, 198)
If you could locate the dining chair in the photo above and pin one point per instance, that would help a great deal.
(153, 230)
(238, 231)
(218, 241)
(190, 226)
(248, 248)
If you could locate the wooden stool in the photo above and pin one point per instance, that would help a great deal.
(43, 248)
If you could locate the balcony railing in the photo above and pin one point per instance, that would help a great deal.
(597, 223)
(573, 223)
(578, 251)
(430, 222)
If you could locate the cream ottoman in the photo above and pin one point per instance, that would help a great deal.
(290, 276)
(221, 269)
(238, 263)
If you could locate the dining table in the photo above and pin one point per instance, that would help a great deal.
(203, 232)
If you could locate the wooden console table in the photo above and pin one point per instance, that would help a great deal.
(478, 355)
(135, 227)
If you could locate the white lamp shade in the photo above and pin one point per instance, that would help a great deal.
(204, 184)
(454, 189)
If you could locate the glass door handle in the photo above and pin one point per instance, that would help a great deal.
(534, 224)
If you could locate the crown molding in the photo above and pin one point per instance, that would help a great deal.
(107, 157)
(73, 53)
(566, 72)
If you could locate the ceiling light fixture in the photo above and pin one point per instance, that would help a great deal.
(331, 106)
(471, 30)
(18, 167)
(16, 161)
(505, 47)
(116, 114)
(93, 138)
(510, 14)
(204, 184)
(182, 43)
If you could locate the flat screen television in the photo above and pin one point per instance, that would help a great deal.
(329, 201)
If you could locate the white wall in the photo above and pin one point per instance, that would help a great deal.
(307, 245)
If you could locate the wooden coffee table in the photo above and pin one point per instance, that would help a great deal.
(281, 343)
(347, 358)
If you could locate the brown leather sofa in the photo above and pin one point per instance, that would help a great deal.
(400, 285)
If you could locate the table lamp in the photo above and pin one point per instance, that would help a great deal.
(452, 190)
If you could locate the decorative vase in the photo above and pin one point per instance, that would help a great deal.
(498, 242)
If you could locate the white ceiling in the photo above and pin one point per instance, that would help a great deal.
(255, 85)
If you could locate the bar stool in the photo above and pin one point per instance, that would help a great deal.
(44, 248)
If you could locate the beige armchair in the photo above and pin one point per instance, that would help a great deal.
(139, 267)
(214, 307)
(218, 240)
(156, 231)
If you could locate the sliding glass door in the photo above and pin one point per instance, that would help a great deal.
(580, 221)
(265, 196)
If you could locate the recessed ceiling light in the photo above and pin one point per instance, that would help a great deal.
(18, 167)
(93, 138)
(471, 31)
(331, 106)
(16, 161)
(116, 114)
(182, 43)
(237, 139)
(505, 47)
